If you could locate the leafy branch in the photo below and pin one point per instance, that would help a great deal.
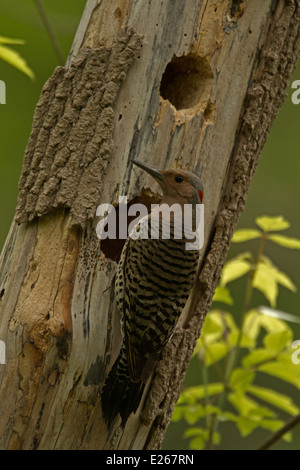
(280, 433)
(260, 343)
(12, 57)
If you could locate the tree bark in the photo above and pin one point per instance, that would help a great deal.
(194, 84)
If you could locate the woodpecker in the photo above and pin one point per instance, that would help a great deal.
(153, 282)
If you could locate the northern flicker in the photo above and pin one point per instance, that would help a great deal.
(153, 282)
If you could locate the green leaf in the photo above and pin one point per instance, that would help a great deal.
(212, 324)
(246, 341)
(246, 425)
(215, 352)
(6, 40)
(212, 331)
(265, 281)
(277, 399)
(197, 443)
(191, 395)
(193, 413)
(234, 269)
(271, 324)
(254, 321)
(275, 342)
(215, 324)
(191, 432)
(241, 379)
(272, 425)
(210, 409)
(227, 416)
(218, 325)
(201, 436)
(262, 412)
(13, 58)
(268, 224)
(243, 404)
(222, 294)
(285, 281)
(230, 322)
(216, 438)
(288, 436)
(267, 277)
(286, 371)
(287, 242)
(278, 275)
(177, 414)
(252, 324)
(256, 357)
(251, 414)
(244, 235)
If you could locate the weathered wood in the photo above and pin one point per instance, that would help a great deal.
(192, 84)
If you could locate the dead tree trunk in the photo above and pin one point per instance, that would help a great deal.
(187, 84)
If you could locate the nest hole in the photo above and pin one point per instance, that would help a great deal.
(186, 81)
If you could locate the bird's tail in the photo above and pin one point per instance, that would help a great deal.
(120, 395)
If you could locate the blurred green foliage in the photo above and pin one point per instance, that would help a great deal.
(261, 343)
(12, 57)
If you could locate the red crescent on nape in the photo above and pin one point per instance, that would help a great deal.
(200, 196)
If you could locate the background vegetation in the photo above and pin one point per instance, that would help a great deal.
(275, 189)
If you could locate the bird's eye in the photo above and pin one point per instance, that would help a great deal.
(178, 178)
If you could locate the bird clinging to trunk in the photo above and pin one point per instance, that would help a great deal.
(154, 278)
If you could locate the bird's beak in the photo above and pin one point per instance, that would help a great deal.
(154, 172)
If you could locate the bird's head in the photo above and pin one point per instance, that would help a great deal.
(178, 185)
